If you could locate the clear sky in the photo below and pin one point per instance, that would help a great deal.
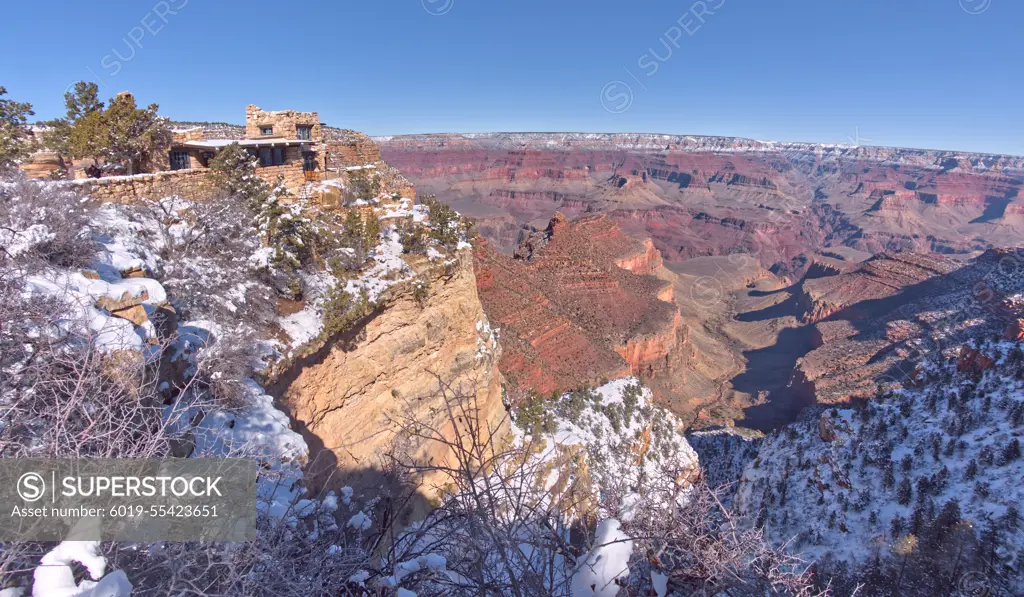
(920, 73)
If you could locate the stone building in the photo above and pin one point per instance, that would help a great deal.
(289, 144)
(286, 143)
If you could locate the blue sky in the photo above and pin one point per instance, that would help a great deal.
(919, 73)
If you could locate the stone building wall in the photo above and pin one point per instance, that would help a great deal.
(189, 184)
(283, 121)
(291, 170)
(195, 133)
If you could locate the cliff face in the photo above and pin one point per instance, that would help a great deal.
(350, 396)
(579, 305)
(876, 279)
(645, 262)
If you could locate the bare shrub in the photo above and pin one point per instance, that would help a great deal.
(43, 223)
(504, 532)
(206, 250)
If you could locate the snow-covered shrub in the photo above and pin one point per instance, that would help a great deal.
(43, 223)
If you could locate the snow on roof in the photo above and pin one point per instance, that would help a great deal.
(221, 143)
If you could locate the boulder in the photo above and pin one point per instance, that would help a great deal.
(972, 360)
(825, 430)
(126, 301)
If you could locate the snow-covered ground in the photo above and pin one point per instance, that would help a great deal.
(908, 453)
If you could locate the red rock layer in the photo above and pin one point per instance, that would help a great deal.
(581, 309)
(877, 278)
(898, 307)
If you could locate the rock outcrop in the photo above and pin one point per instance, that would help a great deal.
(578, 306)
(352, 395)
(876, 279)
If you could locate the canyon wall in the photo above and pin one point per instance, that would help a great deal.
(578, 305)
(869, 325)
(352, 395)
(708, 196)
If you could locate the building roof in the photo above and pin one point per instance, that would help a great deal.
(221, 143)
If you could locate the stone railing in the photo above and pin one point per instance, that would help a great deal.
(189, 184)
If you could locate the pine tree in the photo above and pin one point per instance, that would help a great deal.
(986, 457)
(1012, 517)
(122, 133)
(1011, 452)
(905, 492)
(971, 471)
(134, 135)
(15, 143)
(896, 526)
(79, 102)
(354, 237)
(234, 172)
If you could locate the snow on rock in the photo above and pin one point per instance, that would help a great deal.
(605, 564)
(55, 578)
(486, 340)
(260, 431)
(259, 425)
(626, 436)
(80, 295)
(659, 582)
(418, 213)
(387, 270)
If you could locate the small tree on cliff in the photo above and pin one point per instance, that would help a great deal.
(363, 184)
(360, 236)
(284, 226)
(446, 225)
(15, 143)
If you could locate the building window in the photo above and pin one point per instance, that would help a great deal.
(303, 132)
(179, 160)
(266, 131)
(272, 156)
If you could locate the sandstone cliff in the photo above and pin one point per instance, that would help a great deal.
(350, 396)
